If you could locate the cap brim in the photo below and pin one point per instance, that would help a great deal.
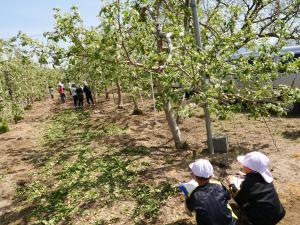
(191, 165)
(267, 176)
(241, 159)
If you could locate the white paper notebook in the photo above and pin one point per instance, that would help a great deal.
(238, 181)
(188, 187)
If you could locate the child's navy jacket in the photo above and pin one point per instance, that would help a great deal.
(210, 202)
(259, 200)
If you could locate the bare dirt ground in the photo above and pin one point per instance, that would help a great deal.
(20, 149)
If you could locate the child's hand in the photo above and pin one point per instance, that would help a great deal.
(230, 179)
(241, 174)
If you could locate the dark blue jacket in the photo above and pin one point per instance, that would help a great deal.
(259, 200)
(210, 202)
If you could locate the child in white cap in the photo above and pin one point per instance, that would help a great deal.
(210, 199)
(257, 194)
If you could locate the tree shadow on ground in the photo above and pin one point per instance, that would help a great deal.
(74, 181)
(293, 135)
(15, 216)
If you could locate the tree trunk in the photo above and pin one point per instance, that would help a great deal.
(199, 44)
(136, 110)
(176, 134)
(178, 117)
(167, 104)
(95, 92)
(186, 18)
(209, 132)
(119, 92)
(141, 97)
(113, 92)
(106, 92)
(153, 99)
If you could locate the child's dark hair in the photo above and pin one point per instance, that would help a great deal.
(203, 178)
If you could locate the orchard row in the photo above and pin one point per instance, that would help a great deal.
(148, 47)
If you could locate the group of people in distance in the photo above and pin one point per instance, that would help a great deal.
(77, 92)
(256, 196)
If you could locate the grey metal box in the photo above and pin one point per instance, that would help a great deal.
(220, 143)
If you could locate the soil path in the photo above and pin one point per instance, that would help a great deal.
(19, 148)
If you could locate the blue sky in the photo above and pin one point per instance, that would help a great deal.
(34, 17)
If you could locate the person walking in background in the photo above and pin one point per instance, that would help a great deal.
(74, 95)
(88, 93)
(257, 196)
(61, 91)
(79, 93)
(50, 88)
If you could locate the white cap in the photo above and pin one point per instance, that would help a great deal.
(258, 162)
(202, 168)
